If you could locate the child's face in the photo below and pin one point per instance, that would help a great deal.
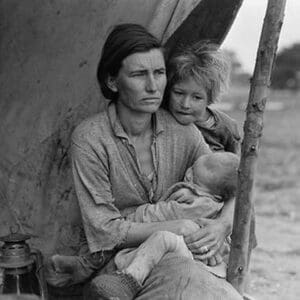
(188, 101)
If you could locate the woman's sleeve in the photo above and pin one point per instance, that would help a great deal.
(103, 224)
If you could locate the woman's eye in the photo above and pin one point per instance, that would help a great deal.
(137, 74)
(160, 72)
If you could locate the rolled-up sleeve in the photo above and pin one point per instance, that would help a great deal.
(104, 226)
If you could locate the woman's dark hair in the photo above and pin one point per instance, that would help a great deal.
(123, 40)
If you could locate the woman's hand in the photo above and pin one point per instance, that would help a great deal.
(212, 261)
(208, 240)
(187, 227)
(183, 195)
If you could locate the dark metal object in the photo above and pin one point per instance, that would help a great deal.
(22, 266)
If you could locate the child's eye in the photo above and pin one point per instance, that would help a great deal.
(177, 92)
(198, 98)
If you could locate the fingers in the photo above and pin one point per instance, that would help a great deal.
(196, 257)
(218, 258)
(206, 251)
(183, 195)
(212, 261)
(203, 221)
(185, 199)
(175, 196)
(204, 257)
(195, 236)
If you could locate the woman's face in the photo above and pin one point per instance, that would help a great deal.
(141, 81)
(188, 101)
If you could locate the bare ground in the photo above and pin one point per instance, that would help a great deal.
(275, 263)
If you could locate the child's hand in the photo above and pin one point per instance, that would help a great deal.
(183, 195)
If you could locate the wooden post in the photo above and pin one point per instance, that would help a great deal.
(259, 92)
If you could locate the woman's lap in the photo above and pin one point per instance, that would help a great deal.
(181, 278)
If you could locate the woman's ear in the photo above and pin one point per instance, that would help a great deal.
(111, 83)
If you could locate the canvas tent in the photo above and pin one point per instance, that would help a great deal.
(49, 54)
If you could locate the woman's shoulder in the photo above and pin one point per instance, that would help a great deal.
(90, 128)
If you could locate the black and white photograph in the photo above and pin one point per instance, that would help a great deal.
(149, 149)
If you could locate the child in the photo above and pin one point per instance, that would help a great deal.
(197, 76)
(212, 179)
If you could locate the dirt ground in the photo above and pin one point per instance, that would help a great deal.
(275, 263)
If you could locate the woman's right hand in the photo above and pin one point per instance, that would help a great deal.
(187, 227)
(211, 236)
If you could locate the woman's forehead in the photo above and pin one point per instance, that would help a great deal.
(144, 60)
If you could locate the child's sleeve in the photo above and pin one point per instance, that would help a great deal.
(234, 140)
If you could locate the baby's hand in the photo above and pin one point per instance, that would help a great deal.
(183, 195)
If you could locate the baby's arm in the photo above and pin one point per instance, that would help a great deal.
(181, 204)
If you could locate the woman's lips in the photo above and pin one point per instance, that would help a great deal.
(183, 113)
(151, 99)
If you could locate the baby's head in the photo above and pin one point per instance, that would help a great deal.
(197, 75)
(217, 173)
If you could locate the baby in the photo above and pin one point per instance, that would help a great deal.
(209, 183)
(212, 178)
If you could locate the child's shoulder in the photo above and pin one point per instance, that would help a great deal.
(224, 119)
(222, 115)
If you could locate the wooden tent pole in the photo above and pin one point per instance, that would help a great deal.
(253, 126)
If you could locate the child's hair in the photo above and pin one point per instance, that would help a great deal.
(218, 172)
(204, 62)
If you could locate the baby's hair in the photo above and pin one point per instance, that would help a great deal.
(205, 63)
(221, 169)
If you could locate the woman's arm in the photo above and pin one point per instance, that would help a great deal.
(139, 232)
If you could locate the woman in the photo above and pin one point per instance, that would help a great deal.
(130, 154)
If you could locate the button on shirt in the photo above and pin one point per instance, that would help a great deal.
(107, 176)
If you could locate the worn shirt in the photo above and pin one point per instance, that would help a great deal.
(107, 176)
(223, 135)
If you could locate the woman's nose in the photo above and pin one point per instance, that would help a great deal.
(151, 84)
